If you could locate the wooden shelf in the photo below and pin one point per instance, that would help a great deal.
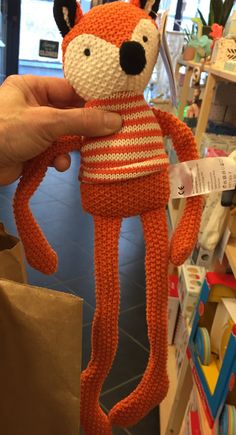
(230, 252)
(166, 405)
(226, 75)
(172, 409)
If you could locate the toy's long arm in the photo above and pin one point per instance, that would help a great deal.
(185, 235)
(38, 252)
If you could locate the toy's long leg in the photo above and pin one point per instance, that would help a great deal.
(105, 325)
(39, 253)
(154, 384)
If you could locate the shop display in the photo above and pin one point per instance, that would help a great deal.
(207, 104)
(212, 344)
(104, 53)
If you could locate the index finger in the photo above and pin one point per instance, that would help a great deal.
(53, 91)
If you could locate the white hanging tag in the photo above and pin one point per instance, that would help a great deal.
(199, 177)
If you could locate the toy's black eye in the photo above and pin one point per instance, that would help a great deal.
(145, 39)
(87, 52)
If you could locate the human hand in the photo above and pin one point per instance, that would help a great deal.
(35, 111)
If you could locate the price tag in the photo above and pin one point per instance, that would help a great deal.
(199, 177)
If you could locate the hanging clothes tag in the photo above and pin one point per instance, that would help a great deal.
(199, 177)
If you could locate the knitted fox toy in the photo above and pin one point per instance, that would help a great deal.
(108, 56)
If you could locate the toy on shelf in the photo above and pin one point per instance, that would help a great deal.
(203, 346)
(224, 54)
(189, 288)
(212, 345)
(202, 47)
(194, 106)
(108, 56)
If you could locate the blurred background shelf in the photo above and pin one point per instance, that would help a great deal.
(230, 252)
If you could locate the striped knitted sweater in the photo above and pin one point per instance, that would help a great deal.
(136, 150)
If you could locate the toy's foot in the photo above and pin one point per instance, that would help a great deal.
(139, 403)
(96, 422)
(93, 419)
(44, 261)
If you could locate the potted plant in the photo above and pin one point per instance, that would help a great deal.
(219, 13)
(189, 49)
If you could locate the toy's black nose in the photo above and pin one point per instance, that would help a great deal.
(132, 57)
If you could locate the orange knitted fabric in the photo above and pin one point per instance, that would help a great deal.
(115, 24)
(109, 55)
(185, 235)
(114, 201)
(135, 151)
(37, 249)
(105, 325)
(154, 384)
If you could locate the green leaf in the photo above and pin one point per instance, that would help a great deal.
(202, 18)
(216, 8)
(227, 7)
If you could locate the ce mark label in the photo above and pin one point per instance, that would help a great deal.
(180, 190)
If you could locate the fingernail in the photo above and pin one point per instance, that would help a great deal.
(112, 121)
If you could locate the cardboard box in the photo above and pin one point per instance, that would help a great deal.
(173, 306)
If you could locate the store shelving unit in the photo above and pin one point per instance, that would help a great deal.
(172, 409)
(214, 76)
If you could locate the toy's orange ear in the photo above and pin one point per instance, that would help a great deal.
(67, 13)
(150, 6)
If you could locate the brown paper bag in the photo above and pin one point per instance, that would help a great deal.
(11, 257)
(40, 359)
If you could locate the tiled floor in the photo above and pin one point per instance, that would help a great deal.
(57, 208)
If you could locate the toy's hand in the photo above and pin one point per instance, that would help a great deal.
(185, 235)
(35, 111)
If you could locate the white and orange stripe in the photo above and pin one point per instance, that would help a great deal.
(137, 150)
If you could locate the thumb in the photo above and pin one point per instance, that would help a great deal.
(79, 122)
